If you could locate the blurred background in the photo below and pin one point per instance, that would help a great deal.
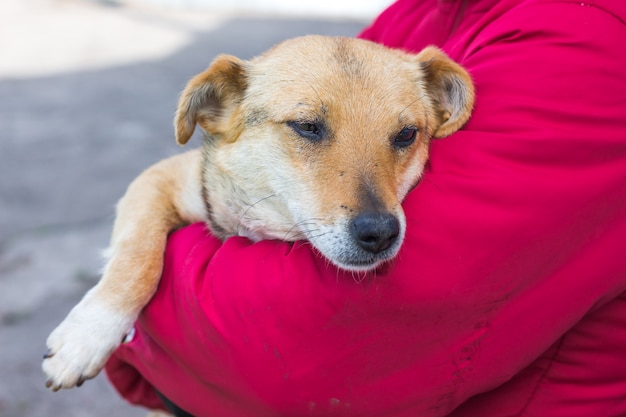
(87, 95)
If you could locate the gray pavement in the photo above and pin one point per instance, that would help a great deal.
(87, 94)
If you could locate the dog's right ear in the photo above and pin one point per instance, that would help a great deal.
(211, 98)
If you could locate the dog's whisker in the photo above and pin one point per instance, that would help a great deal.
(359, 277)
(252, 205)
(312, 238)
(316, 93)
(303, 226)
(411, 103)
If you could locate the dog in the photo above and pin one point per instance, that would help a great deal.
(318, 139)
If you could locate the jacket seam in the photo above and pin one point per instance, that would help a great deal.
(593, 4)
(542, 378)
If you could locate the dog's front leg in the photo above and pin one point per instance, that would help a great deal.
(163, 198)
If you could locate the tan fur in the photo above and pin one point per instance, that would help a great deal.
(159, 414)
(262, 174)
(153, 206)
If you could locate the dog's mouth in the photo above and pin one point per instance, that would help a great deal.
(360, 261)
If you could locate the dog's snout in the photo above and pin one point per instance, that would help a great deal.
(375, 232)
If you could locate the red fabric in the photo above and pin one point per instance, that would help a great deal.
(508, 297)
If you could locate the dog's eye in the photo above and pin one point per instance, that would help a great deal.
(308, 130)
(405, 137)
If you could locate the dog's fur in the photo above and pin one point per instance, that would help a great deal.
(319, 138)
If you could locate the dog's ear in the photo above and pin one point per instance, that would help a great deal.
(211, 98)
(450, 88)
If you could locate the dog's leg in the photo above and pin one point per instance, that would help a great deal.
(163, 198)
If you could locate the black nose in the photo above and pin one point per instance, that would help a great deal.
(375, 232)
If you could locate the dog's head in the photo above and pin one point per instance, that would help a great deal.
(321, 138)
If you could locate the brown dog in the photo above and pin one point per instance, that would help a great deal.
(320, 138)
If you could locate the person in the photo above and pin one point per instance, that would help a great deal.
(509, 295)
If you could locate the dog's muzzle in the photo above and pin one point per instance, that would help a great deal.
(361, 243)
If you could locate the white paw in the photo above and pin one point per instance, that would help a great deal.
(80, 346)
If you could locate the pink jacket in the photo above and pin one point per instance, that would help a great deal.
(509, 295)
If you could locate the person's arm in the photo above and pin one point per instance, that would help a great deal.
(515, 235)
(542, 165)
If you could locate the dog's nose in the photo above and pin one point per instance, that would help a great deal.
(375, 232)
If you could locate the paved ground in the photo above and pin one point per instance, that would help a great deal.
(87, 93)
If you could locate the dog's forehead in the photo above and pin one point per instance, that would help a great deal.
(314, 69)
(312, 58)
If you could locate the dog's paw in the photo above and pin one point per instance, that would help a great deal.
(80, 346)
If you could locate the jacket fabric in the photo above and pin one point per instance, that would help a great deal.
(508, 297)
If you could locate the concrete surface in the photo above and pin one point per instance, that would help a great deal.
(87, 94)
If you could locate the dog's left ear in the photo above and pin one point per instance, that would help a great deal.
(450, 88)
(211, 99)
